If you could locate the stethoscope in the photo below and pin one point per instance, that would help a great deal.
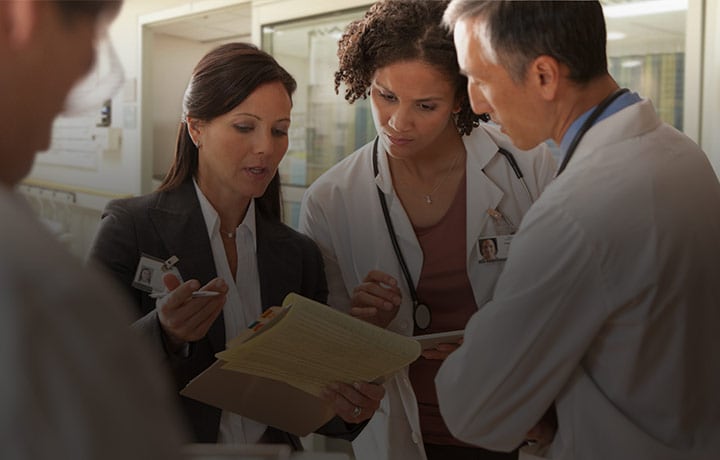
(421, 312)
(599, 110)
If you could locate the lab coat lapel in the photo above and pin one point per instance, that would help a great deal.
(482, 192)
(403, 227)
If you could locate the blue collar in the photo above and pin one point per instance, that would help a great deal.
(617, 105)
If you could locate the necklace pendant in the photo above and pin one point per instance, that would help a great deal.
(428, 199)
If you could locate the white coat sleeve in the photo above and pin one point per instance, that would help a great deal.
(77, 383)
(314, 223)
(521, 348)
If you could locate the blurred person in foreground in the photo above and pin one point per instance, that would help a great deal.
(608, 306)
(76, 384)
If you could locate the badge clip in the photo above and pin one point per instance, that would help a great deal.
(168, 264)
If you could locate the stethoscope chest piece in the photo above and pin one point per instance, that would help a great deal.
(422, 316)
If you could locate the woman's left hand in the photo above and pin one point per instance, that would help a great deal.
(441, 351)
(354, 403)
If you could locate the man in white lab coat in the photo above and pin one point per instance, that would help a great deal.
(608, 308)
(76, 384)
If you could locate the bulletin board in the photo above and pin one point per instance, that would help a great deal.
(76, 142)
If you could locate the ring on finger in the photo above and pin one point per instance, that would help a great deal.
(357, 411)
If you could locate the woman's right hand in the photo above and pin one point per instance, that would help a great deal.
(377, 299)
(187, 319)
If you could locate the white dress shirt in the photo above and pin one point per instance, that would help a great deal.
(243, 305)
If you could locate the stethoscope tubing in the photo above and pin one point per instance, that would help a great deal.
(599, 110)
(417, 305)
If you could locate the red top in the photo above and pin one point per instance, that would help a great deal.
(445, 288)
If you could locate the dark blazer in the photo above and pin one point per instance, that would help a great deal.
(163, 224)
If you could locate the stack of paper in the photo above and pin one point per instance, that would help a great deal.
(290, 355)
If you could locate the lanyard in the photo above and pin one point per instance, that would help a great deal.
(588, 123)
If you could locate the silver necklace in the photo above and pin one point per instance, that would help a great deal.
(229, 235)
(428, 196)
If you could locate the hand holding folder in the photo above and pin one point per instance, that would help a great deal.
(275, 372)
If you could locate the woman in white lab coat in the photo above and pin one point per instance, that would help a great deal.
(447, 183)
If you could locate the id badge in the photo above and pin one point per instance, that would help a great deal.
(150, 271)
(494, 248)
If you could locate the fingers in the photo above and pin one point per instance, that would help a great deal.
(217, 285)
(187, 319)
(543, 432)
(371, 295)
(377, 299)
(382, 286)
(435, 354)
(354, 403)
(377, 276)
(371, 391)
(441, 351)
(171, 281)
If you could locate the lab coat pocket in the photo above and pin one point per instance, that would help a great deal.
(483, 278)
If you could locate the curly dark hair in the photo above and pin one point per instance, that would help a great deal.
(400, 30)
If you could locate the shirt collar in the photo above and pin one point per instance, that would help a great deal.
(623, 101)
(212, 219)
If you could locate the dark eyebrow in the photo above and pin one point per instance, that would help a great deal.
(427, 99)
(252, 115)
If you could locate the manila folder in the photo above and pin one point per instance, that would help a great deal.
(265, 400)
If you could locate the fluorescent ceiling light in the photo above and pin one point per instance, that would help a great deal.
(613, 35)
(644, 8)
(631, 63)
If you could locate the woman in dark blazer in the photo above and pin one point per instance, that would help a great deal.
(218, 212)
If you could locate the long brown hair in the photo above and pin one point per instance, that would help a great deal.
(222, 79)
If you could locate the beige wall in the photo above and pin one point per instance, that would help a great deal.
(173, 61)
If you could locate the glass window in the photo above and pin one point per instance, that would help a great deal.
(325, 128)
(646, 51)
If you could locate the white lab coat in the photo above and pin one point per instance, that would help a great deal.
(608, 306)
(76, 382)
(342, 213)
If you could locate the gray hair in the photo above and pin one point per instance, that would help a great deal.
(571, 32)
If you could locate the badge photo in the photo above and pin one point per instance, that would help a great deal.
(150, 271)
(493, 248)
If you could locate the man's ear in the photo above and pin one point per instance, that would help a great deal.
(18, 20)
(545, 74)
